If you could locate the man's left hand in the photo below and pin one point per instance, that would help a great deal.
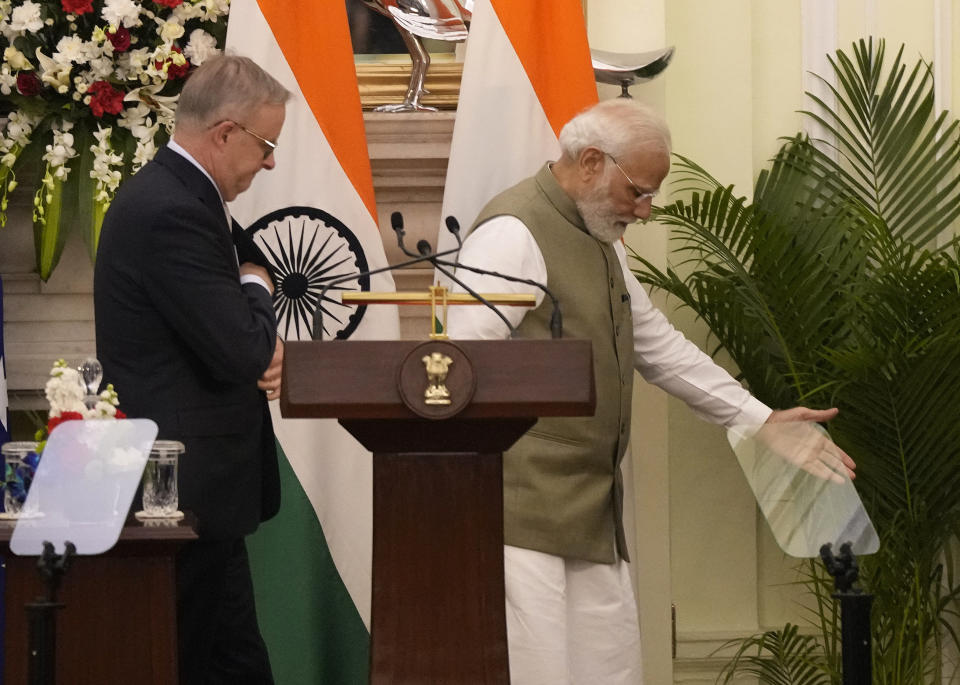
(270, 380)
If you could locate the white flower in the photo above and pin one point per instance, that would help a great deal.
(70, 49)
(26, 17)
(216, 8)
(131, 64)
(65, 390)
(145, 151)
(169, 30)
(54, 73)
(121, 12)
(60, 150)
(104, 171)
(16, 59)
(186, 11)
(201, 46)
(148, 96)
(7, 80)
(100, 69)
(132, 116)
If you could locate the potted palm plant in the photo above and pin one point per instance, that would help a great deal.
(839, 285)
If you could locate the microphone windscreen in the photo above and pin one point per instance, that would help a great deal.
(423, 247)
(396, 221)
(452, 224)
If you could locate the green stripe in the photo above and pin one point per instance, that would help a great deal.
(311, 626)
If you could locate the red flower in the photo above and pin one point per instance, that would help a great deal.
(120, 39)
(77, 6)
(169, 3)
(104, 98)
(64, 416)
(174, 71)
(119, 415)
(28, 83)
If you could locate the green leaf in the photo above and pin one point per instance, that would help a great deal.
(59, 213)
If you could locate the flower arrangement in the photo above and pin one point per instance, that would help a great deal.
(89, 88)
(67, 395)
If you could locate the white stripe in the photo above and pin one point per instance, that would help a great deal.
(502, 134)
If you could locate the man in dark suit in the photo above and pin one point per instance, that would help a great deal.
(187, 334)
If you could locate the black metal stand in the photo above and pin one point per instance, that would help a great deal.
(854, 614)
(42, 613)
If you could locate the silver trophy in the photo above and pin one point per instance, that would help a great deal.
(624, 69)
(416, 20)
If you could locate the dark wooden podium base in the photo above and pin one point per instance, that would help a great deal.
(441, 619)
(437, 609)
(118, 624)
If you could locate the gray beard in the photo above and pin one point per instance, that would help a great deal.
(594, 207)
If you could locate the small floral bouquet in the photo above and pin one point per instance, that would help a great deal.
(67, 395)
(88, 89)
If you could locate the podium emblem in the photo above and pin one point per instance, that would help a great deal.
(437, 366)
(436, 380)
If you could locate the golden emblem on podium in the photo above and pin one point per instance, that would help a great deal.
(437, 366)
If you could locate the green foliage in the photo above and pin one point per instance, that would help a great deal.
(780, 657)
(836, 287)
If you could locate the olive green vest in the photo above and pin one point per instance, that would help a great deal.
(562, 488)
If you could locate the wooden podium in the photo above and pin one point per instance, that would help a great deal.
(437, 437)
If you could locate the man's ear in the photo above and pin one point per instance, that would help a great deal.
(590, 163)
(221, 131)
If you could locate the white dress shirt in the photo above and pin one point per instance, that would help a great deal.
(661, 354)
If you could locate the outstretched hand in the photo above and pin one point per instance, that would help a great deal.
(803, 445)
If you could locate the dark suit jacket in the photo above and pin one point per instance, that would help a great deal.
(184, 343)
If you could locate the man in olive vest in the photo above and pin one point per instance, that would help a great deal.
(571, 612)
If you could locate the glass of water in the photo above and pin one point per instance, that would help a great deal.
(160, 498)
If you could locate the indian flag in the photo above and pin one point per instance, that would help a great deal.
(314, 217)
(527, 71)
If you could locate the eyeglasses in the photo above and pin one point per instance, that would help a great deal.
(271, 146)
(641, 194)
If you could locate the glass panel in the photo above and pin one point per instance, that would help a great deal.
(804, 510)
(86, 479)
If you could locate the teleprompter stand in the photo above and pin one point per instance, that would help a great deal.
(42, 612)
(437, 416)
(854, 614)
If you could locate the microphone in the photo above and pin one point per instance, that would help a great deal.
(453, 226)
(556, 318)
(426, 253)
(396, 222)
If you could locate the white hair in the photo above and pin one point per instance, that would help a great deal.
(618, 127)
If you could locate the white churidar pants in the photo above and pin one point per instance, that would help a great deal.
(570, 621)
